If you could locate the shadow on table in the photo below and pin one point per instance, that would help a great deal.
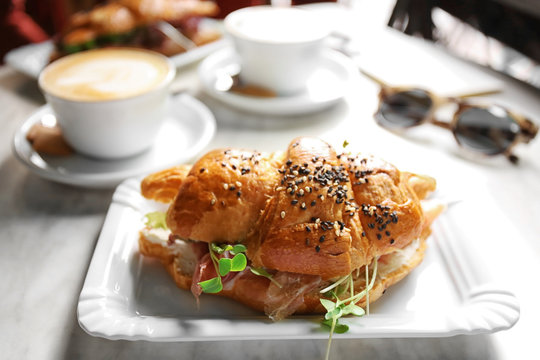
(83, 346)
(31, 194)
(26, 88)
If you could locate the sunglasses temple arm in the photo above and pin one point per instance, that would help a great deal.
(374, 78)
(478, 93)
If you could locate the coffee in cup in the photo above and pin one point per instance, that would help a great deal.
(109, 103)
(279, 48)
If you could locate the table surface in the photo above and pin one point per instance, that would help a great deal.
(48, 231)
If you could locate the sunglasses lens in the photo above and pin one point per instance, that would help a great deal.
(404, 109)
(490, 131)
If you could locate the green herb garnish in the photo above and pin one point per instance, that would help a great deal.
(338, 308)
(266, 274)
(345, 144)
(224, 265)
(156, 220)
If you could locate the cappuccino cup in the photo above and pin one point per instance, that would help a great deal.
(109, 103)
(278, 48)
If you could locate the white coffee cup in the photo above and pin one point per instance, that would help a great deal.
(279, 48)
(109, 103)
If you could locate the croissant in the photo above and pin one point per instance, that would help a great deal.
(308, 216)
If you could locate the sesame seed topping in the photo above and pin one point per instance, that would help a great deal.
(238, 183)
(213, 201)
(282, 214)
(225, 186)
(201, 170)
(317, 248)
(321, 239)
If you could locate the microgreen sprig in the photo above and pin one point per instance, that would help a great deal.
(224, 265)
(338, 308)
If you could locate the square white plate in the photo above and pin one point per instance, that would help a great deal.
(128, 296)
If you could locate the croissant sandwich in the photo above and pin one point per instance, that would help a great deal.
(284, 232)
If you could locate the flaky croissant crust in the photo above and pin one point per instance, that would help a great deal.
(308, 210)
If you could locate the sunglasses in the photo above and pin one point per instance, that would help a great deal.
(489, 130)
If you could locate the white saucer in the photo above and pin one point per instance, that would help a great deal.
(189, 127)
(326, 87)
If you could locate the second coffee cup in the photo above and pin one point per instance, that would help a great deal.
(278, 48)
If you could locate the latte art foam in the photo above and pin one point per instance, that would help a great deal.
(107, 74)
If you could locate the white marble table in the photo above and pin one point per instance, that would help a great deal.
(48, 231)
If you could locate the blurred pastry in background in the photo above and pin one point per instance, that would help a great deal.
(169, 27)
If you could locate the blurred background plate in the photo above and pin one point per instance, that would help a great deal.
(31, 59)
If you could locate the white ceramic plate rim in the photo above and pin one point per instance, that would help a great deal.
(24, 152)
(106, 307)
(290, 105)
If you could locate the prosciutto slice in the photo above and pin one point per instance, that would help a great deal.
(284, 301)
(279, 301)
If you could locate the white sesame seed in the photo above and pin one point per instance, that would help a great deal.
(337, 232)
(301, 191)
(213, 201)
(225, 186)
(238, 183)
(282, 214)
(279, 188)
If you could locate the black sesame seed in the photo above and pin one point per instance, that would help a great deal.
(387, 233)
(239, 193)
(379, 236)
(201, 170)
(321, 239)
(232, 188)
(391, 241)
(294, 202)
(308, 229)
(307, 241)
(317, 248)
(363, 233)
(313, 203)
